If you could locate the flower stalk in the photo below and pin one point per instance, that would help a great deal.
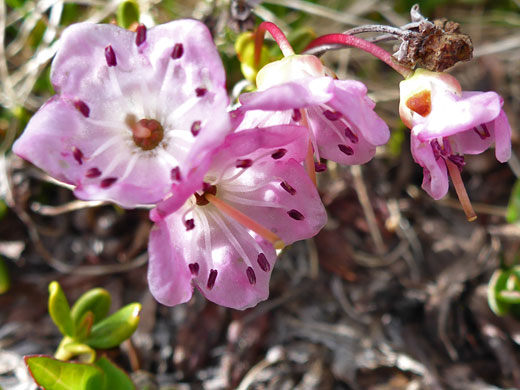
(461, 191)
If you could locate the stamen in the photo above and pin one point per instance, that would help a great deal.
(263, 263)
(175, 174)
(189, 224)
(200, 92)
(208, 189)
(211, 279)
(140, 35)
(436, 148)
(110, 56)
(82, 107)
(295, 214)
(309, 158)
(461, 191)
(279, 154)
(251, 275)
(287, 187)
(245, 221)
(146, 133)
(320, 167)
(332, 115)
(93, 173)
(244, 163)
(195, 128)
(105, 183)
(178, 51)
(78, 155)
(351, 135)
(485, 131)
(346, 149)
(458, 161)
(194, 268)
(296, 115)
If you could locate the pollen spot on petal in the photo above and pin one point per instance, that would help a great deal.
(93, 173)
(421, 103)
(194, 268)
(244, 163)
(140, 37)
(279, 154)
(320, 167)
(105, 183)
(78, 155)
(263, 263)
(287, 187)
(295, 214)
(178, 51)
(251, 275)
(175, 174)
(332, 115)
(211, 279)
(351, 135)
(346, 149)
(200, 92)
(110, 56)
(195, 128)
(189, 224)
(82, 107)
(296, 115)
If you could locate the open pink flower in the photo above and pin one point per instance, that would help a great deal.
(341, 119)
(257, 197)
(134, 111)
(447, 123)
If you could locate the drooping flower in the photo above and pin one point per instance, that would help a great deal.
(448, 123)
(134, 111)
(257, 197)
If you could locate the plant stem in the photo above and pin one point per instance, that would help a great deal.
(278, 36)
(461, 191)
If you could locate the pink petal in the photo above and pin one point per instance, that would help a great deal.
(502, 131)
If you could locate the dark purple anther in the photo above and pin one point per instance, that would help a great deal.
(140, 35)
(105, 183)
(194, 268)
(244, 163)
(190, 224)
(263, 263)
(206, 187)
(279, 154)
(320, 167)
(175, 174)
(351, 135)
(200, 92)
(82, 107)
(295, 214)
(211, 279)
(436, 148)
(78, 155)
(457, 160)
(332, 115)
(93, 173)
(296, 115)
(178, 51)
(195, 128)
(251, 275)
(346, 149)
(482, 131)
(287, 187)
(110, 56)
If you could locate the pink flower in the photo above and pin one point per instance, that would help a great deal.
(341, 119)
(135, 111)
(447, 123)
(257, 197)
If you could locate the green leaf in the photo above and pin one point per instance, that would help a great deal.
(97, 301)
(113, 330)
(5, 280)
(84, 326)
(86, 354)
(496, 285)
(127, 13)
(116, 378)
(59, 309)
(513, 207)
(511, 297)
(52, 374)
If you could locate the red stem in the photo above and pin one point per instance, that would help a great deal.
(360, 43)
(278, 36)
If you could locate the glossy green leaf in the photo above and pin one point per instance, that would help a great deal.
(116, 378)
(52, 374)
(84, 326)
(83, 351)
(127, 13)
(116, 328)
(97, 301)
(59, 309)
(496, 285)
(5, 280)
(512, 297)
(513, 207)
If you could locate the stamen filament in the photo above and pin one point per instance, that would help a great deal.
(363, 44)
(461, 191)
(278, 36)
(309, 158)
(245, 221)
